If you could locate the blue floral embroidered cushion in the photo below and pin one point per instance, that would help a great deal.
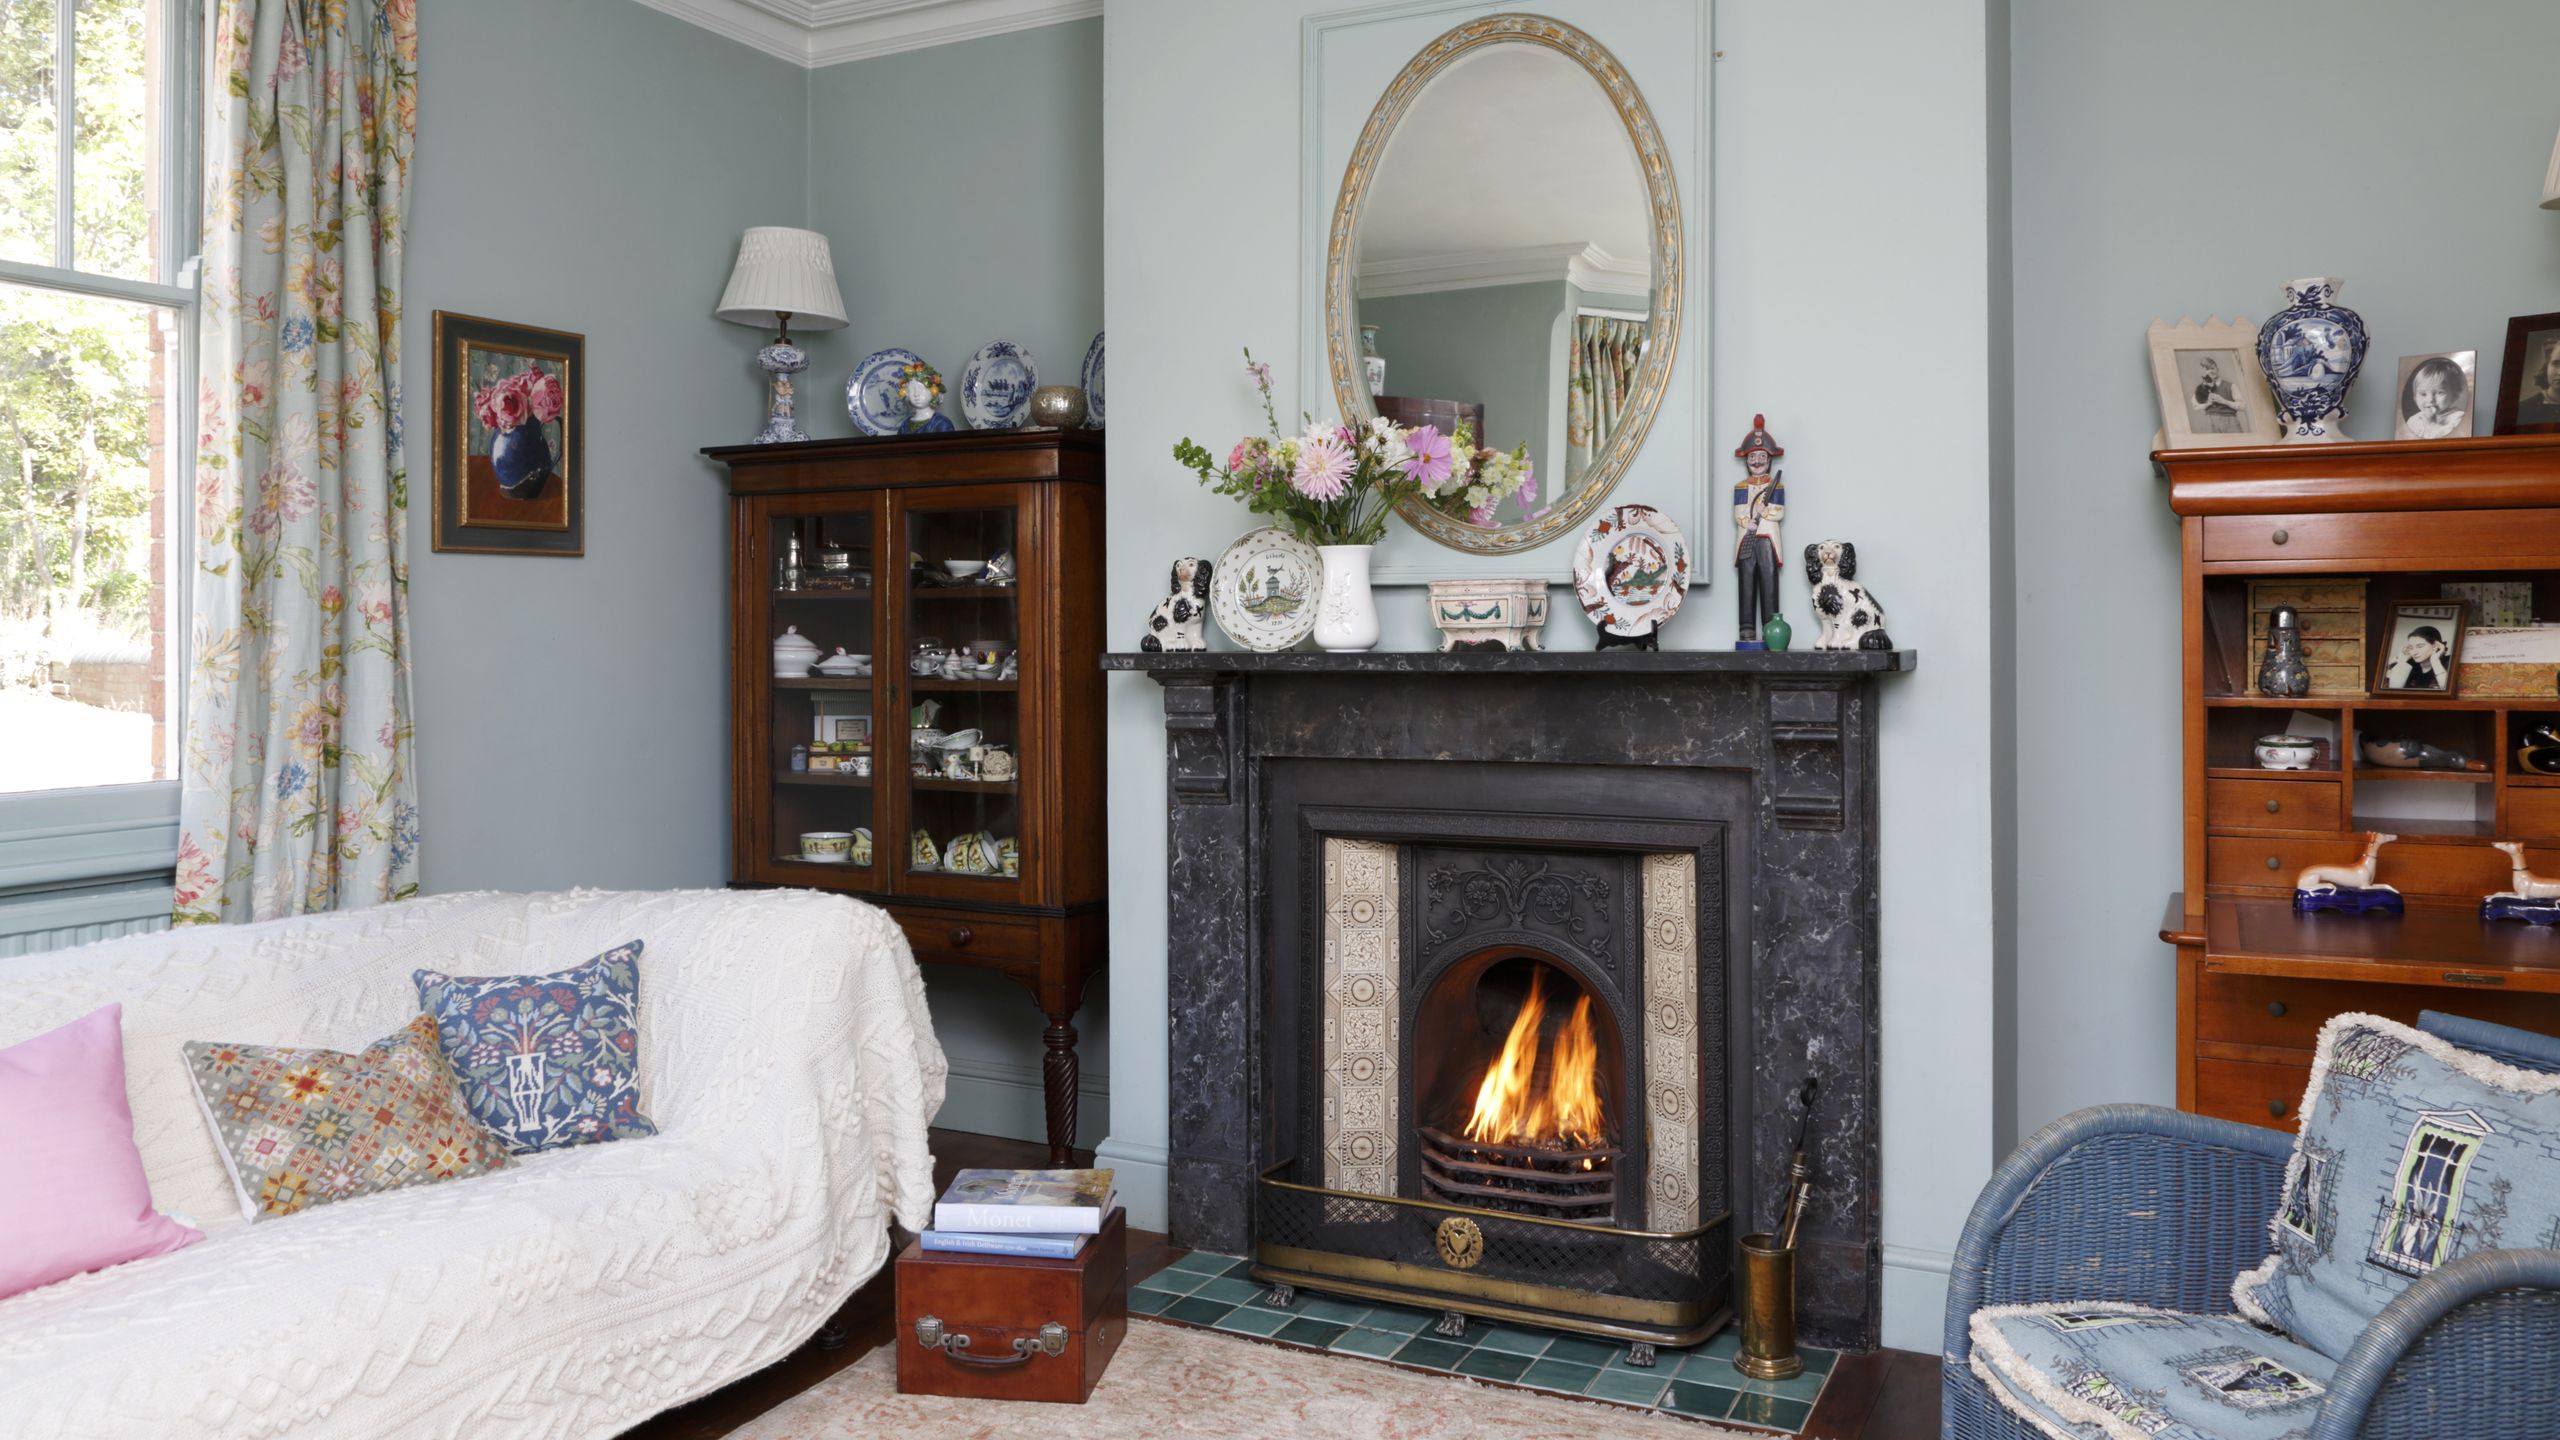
(2413, 1152)
(2105, 1371)
(546, 1061)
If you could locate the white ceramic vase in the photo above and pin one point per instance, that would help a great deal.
(1346, 612)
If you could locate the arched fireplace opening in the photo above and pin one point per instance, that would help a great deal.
(1520, 1097)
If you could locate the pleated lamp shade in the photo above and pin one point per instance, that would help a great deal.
(2551, 182)
(782, 271)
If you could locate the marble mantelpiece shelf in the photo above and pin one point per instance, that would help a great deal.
(1517, 662)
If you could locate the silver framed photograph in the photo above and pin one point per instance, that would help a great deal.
(2211, 391)
(2437, 396)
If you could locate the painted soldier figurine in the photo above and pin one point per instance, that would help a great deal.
(1759, 503)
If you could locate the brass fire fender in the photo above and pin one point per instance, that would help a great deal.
(1616, 1317)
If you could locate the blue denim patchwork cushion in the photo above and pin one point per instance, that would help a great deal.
(2105, 1371)
(546, 1061)
(2413, 1153)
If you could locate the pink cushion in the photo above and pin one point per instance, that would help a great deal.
(73, 1196)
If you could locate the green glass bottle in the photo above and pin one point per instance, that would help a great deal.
(1775, 632)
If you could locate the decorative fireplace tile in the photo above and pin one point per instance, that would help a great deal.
(1361, 983)
(1671, 1038)
(1698, 1383)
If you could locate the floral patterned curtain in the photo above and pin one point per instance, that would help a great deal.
(296, 793)
(1605, 351)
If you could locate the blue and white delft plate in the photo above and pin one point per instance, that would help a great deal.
(871, 395)
(1093, 383)
(995, 388)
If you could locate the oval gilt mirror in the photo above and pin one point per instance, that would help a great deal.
(1505, 257)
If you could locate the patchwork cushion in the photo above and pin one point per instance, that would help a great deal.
(2413, 1152)
(546, 1061)
(301, 1127)
(2102, 1371)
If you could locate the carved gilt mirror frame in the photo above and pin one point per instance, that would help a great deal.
(1662, 338)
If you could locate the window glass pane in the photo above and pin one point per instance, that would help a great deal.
(27, 159)
(83, 656)
(115, 194)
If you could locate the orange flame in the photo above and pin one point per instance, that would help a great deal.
(1512, 1108)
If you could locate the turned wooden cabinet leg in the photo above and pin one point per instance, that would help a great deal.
(1058, 1068)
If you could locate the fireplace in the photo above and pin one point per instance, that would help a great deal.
(1496, 974)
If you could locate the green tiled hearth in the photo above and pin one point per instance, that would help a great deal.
(1218, 1292)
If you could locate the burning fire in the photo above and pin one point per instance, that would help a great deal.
(1524, 1102)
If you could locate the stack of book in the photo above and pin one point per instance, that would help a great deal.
(1050, 1214)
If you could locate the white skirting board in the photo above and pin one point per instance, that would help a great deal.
(989, 1096)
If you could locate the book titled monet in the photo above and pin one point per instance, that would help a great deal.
(1044, 1202)
(1024, 1244)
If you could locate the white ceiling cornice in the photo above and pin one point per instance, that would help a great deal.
(1588, 266)
(832, 32)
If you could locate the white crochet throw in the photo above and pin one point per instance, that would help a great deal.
(785, 1054)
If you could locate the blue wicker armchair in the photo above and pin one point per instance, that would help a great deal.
(2158, 1207)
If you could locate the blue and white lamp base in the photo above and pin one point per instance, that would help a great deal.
(782, 360)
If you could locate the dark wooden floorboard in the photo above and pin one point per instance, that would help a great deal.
(1889, 1395)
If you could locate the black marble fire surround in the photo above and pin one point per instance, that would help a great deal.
(1801, 725)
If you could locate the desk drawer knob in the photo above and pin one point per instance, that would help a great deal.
(2277, 1108)
(2281, 537)
(2275, 807)
(2276, 1008)
(2274, 863)
(961, 935)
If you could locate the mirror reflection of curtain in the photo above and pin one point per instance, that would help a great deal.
(1605, 351)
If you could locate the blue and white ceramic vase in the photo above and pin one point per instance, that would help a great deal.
(2310, 351)
(522, 459)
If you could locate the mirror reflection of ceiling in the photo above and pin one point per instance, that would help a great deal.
(1512, 160)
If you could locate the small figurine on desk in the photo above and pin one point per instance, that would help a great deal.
(920, 386)
(1759, 503)
(1179, 618)
(2281, 672)
(2406, 754)
(2539, 750)
(2348, 887)
(2528, 897)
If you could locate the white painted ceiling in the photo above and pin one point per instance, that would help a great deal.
(1514, 148)
(830, 32)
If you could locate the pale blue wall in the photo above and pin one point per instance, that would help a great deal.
(572, 715)
(1814, 141)
(960, 189)
(1495, 345)
(2151, 183)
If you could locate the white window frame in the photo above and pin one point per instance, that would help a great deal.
(92, 834)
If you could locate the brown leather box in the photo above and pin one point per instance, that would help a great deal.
(1002, 1327)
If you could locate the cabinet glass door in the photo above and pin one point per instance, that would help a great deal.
(821, 557)
(961, 636)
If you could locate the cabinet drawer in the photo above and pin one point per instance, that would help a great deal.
(2273, 804)
(2279, 1010)
(2272, 864)
(960, 937)
(2250, 1092)
(2533, 811)
(2465, 538)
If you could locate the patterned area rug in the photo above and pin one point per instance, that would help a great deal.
(1175, 1383)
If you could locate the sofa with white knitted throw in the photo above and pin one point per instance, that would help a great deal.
(785, 1054)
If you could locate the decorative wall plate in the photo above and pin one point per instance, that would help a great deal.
(1093, 383)
(996, 386)
(871, 394)
(1265, 589)
(1632, 569)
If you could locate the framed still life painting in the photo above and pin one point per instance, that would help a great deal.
(510, 438)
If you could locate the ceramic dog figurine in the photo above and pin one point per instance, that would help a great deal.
(2348, 887)
(1851, 619)
(1180, 618)
(2534, 899)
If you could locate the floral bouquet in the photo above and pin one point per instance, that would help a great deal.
(1333, 484)
(529, 394)
(1479, 480)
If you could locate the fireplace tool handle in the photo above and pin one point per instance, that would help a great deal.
(1768, 1348)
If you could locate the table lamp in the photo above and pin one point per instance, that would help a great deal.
(2551, 182)
(786, 274)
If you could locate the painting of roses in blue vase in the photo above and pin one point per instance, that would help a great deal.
(509, 477)
(2310, 351)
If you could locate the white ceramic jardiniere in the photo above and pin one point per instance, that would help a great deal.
(1347, 615)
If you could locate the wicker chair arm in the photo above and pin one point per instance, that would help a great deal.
(2466, 1350)
(2119, 1202)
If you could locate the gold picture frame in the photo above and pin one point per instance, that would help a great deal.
(476, 509)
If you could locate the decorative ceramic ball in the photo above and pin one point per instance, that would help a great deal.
(1057, 407)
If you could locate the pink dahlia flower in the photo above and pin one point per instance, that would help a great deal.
(1324, 468)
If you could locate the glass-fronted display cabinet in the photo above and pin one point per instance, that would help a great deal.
(917, 697)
